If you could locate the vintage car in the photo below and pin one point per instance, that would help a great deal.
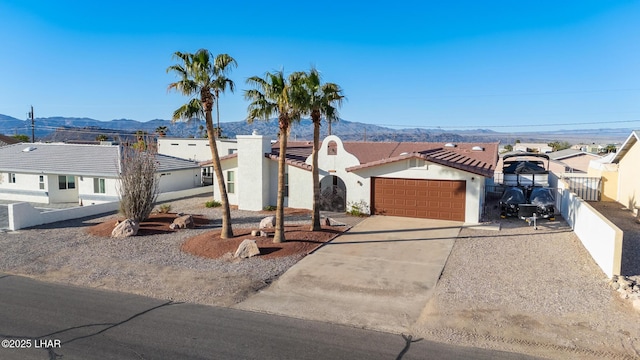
(510, 201)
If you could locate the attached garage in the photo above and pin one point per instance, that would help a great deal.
(428, 199)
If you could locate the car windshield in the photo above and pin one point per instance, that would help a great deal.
(541, 197)
(513, 196)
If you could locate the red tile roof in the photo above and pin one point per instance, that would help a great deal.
(461, 157)
(370, 154)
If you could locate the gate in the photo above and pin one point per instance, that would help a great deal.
(587, 188)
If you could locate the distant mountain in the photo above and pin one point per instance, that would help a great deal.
(86, 129)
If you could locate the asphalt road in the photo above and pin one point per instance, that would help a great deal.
(50, 321)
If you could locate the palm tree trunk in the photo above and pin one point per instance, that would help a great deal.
(218, 132)
(279, 237)
(227, 230)
(315, 216)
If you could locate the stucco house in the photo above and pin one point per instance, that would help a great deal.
(426, 180)
(67, 173)
(541, 148)
(628, 158)
(570, 161)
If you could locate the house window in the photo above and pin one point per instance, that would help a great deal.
(332, 148)
(231, 182)
(98, 186)
(286, 184)
(66, 182)
(12, 178)
(41, 182)
(232, 151)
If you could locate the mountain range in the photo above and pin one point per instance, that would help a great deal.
(59, 128)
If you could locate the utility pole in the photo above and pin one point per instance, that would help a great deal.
(33, 126)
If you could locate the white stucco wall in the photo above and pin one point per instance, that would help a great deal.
(628, 175)
(194, 149)
(57, 195)
(26, 188)
(179, 180)
(86, 191)
(300, 188)
(253, 172)
(600, 237)
(227, 165)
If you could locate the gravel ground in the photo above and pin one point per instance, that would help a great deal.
(531, 291)
(151, 265)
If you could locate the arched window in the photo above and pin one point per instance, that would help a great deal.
(332, 148)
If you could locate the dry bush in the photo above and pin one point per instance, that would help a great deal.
(137, 183)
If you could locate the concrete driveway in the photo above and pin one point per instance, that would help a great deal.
(379, 275)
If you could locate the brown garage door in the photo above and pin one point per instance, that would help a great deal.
(430, 199)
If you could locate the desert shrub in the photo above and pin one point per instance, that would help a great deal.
(164, 208)
(212, 204)
(137, 183)
(270, 208)
(359, 208)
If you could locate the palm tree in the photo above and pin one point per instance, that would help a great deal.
(102, 137)
(198, 73)
(162, 130)
(276, 95)
(319, 102)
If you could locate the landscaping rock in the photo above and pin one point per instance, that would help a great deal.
(183, 222)
(125, 228)
(269, 221)
(255, 232)
(248, 248)
(332, 222)
(263, 233)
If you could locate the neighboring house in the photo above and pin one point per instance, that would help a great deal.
(63, 173)
(570, 161)
(628, 160)
(540, 148)
(7, 140)
(608, 173)
(426, 180)
(196, 150)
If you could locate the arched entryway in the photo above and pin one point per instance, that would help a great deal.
(333, 194)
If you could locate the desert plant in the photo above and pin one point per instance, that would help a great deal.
(212, 204)
(359, 208)
(203, 77)
(164, 208)
(281, 96)
(320, 100)
(137, 183)
(269, 208)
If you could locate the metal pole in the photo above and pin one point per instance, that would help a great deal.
(33, 126)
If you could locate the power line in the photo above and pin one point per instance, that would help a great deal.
(508, 126)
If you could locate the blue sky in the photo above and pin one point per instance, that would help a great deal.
(502, 65)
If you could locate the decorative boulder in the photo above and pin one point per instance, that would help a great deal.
(332, 222)
(263, 234)
(269, 221)
(247, 249)
(125, 229)
(182, 222)
(255, 232)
